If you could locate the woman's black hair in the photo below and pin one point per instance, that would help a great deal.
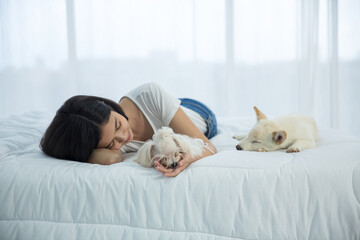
(75, 130)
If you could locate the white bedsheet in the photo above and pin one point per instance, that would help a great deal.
(314, 194)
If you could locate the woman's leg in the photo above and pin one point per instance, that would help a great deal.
(204, 112)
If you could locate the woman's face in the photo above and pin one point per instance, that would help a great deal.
(115, 133)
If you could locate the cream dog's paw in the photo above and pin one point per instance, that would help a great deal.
(239, 137)
(261, 150)
(292, 149)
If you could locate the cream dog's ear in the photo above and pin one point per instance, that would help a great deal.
(279, 136)
(259, 114)
(144, 155)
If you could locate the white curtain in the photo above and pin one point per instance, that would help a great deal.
(283, 56)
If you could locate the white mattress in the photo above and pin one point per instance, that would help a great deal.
(234, 194)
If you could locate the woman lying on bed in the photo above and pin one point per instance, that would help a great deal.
(98, 130)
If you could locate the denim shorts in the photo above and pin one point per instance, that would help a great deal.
(204, 112)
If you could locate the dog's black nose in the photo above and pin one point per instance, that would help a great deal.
(238, 147)
(174, 164)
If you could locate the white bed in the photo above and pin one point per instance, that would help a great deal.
(314, 194)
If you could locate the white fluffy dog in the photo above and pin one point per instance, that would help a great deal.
(168, 148)
(291, 132)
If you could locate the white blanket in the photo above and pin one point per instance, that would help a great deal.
(314, 194)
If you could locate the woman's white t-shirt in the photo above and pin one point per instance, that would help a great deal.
(159, 108)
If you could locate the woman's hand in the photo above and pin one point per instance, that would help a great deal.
(169, 172)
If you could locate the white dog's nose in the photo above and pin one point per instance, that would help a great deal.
(174, 164)
(238, 147)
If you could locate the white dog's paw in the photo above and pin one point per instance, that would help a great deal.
(292, 149)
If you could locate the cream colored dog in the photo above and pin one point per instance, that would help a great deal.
(291, 132)
(168, 148)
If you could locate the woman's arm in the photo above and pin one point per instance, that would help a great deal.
(105, 156)
(182, 124)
